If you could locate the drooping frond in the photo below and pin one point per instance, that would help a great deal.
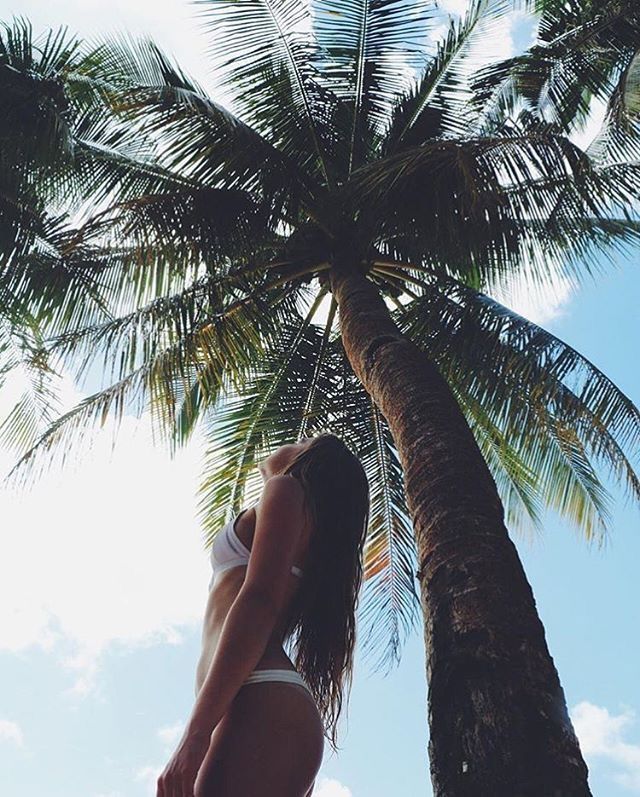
(156, 360)
(517, 482)
(23, 357)
(59, 132)
(390, 603)
(67, 432)
(267, 408)
(493, 206)
(619, 137)
(550, 411)
(37, 142)
(305, 381)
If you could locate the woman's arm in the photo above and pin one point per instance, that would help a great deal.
(243, 640)
(252, 617)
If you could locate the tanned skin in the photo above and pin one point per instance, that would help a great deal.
(261, 739)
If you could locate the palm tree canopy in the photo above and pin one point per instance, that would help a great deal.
(197, 258)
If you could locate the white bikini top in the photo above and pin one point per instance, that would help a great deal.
(229, 551)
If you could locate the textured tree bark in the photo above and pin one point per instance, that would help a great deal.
(498, 718)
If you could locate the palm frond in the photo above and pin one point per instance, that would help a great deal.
(259, 47)
(196, 137)
(35, 118)
(390, 602)
(517, 482)
(67, 432)
(23, 357)
(268, 408)
(519, 383)
(619, 136)
(213, 226)
(579, 55)
(479, 213)
(368, 52)
(436, 106)
(305, 381)
(156, 368)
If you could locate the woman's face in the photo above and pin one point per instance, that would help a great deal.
(283, 456)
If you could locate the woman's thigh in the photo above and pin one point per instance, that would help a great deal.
(269, 744)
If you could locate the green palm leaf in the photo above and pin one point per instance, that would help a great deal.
(305, 381)
(581, 51)
(479, 217)
(23, 354)
(269, 407)
(271, 49)
(201, 140)
(367, 52)
(520, 384)
(157, 372)
(436, 105)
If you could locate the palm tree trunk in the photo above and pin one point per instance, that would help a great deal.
(498, 718)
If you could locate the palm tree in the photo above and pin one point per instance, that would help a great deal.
(352, 162)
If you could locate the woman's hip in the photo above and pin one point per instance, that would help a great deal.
(273, 732)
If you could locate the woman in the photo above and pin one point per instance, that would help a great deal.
(290, 566)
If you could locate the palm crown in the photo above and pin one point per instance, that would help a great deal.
(200, 263)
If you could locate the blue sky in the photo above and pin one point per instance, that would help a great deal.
(103, 581)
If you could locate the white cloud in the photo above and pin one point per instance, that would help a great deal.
(11, 732)
(539, 305)
(329, 787)
(107, 552)
(149, 775)
(454, 6)
(601, 735)
(171, 735)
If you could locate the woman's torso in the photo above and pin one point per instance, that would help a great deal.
(224, 590)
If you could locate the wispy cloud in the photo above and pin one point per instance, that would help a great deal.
(148, 775)
(11, 732)
(170, 735)
(601, 735)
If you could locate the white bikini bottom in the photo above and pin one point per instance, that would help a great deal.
(285, 676)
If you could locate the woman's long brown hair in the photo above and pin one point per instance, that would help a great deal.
(323, 622)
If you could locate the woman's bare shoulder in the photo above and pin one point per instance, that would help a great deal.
(281, 487)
